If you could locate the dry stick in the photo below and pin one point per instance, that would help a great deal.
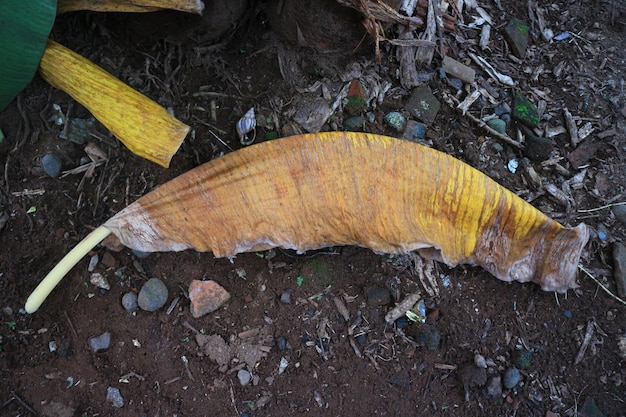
(484, 125)
(582, 268)
(602, 207)
(55, 276)
(586, 341)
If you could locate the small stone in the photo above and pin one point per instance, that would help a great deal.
(100, 343)
(282, 343)
(93, 262)
(501, 109)
(512, 377)
(108, 260)
(537, 149)
(115, 397)
(206, 297)
(516, 33)
(423, 105)
(153, 295)
(285, 297)
(619, 271)
(479, 360)
(497, 147)
(429, 337)
(129, 302)
(619, 212)
(51, 164)
(98, 280)
(523, 358)
(455, 83)
(244, 377)
(402, 322)
(567, 314)
(354, 123)
(78, 130)
(378, 297)
(603, 232)
(591, 409)
(525, 111)
(355, 100)
(458, 70)
(494, 388)
(396, 120)
(401, 379)
(498, 125)
(414, 131)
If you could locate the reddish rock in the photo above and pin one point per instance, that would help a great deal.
(206, 297)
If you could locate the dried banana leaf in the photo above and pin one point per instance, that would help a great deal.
(327, 189)
(136, 6)
(145, 127)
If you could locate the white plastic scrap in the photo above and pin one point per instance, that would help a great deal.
(512, 165)
(282, 365)
(482, 62)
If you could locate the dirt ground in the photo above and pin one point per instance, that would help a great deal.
(335, 366)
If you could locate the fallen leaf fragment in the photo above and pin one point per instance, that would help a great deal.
(145, 127)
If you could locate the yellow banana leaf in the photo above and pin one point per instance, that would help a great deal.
(144, 126)
(139, 6)
(327, 189)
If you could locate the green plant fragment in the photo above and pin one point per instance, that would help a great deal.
(24, 30)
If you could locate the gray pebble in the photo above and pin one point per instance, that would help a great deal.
(153, 295)
(285, 297)
(244, 377)
(354, 123)
(51, 164)
(396, 120)
(100, 343)
(620, 213)
(511, 377)
(498, 125)
(414, 131)
(494, 387)
(129, 302)
(114, 397)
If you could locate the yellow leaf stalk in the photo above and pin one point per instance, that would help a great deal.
(135, 6)
(145, 127)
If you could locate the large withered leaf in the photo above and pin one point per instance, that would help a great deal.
(327, 189)
(311, 191)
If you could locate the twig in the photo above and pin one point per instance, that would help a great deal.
(15, 397)
(586, 341)
(67, 317)
(38, 191)
(186, 363)
(602, 207)
(582, 268)
(232, 400)
(484, 125)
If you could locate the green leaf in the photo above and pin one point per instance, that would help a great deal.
(24, 30)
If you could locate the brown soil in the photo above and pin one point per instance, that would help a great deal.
(154, 358)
